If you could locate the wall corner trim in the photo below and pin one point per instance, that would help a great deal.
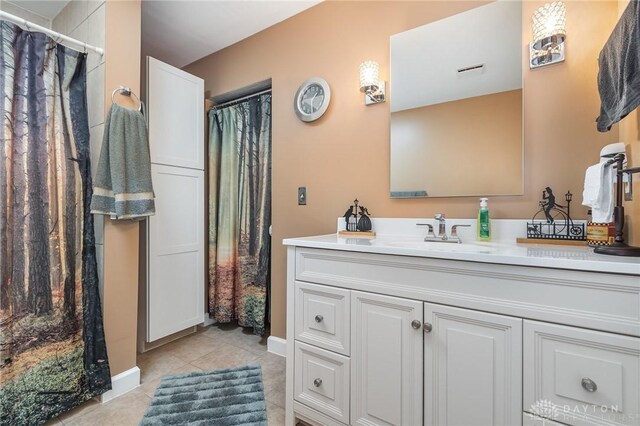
(277, 346)
(122, 383)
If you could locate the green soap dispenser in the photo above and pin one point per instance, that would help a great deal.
(484, 223)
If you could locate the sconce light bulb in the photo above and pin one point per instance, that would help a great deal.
(369, 73)
(549, 25)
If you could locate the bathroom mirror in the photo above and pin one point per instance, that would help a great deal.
(456, 105)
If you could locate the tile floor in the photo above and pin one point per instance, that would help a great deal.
(210, 348)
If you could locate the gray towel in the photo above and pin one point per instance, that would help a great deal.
(122, 187)
(619, 75)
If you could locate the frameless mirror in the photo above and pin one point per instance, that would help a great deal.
(456, 105)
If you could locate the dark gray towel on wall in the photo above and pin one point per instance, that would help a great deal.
(122, 186)
(619, 74)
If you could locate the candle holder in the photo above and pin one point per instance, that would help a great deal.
(357, 222)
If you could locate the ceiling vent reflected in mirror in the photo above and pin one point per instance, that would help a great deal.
(472, 71)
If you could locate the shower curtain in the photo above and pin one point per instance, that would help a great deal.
(240, 211)
(52, 348)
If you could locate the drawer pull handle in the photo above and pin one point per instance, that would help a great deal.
(589, 385)
(317, 382)
(428, 327)
(319, 319)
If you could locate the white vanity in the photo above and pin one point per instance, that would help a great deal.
(396, 331)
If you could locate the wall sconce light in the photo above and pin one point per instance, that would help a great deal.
(549, 34)
(370, 83)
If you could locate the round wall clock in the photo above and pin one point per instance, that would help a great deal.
(312, 99)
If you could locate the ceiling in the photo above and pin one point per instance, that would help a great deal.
(181, 32)
(46, 8)
(425, 60)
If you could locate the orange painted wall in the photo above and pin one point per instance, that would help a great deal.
(122, 50)
(345, 154)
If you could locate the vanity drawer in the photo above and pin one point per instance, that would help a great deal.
(322, 381)
(322, 316)
(532, 420)
(581, 377)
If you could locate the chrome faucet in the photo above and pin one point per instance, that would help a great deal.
(442, 231)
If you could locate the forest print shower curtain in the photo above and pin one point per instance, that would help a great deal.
(240, 211)
(52, 349)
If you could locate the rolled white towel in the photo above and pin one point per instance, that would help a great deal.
(598, 192)
(593, 185)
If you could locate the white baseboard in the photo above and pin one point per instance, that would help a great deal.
(121, 384)
(207, 320)
(277, 346)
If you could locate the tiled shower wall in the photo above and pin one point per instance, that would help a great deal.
(24, 14)
(85, 21)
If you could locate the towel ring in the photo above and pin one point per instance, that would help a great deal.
(125, 91)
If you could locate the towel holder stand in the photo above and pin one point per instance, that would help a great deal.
(619, 247)
(125, 91)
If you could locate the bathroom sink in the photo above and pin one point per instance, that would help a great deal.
(463, 247)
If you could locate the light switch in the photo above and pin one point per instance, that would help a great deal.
(302, 196)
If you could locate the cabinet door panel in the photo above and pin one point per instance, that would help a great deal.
(386, 372)
(176, 252)
(176, 116)
(473, 368)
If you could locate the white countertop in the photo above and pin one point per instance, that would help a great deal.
(500, 252)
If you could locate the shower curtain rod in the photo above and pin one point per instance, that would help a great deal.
(30, 26)
(235, 101)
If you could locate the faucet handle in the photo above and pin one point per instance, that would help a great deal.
(429, 229)
(454, 230)
(439, 217)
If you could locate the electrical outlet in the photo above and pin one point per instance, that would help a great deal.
(302, 196)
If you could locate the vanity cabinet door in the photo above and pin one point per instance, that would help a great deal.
(473, 367)
(386, 360)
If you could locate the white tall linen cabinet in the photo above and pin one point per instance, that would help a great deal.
(172, 267)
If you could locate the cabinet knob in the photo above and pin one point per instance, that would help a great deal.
(428, 327)
(317, 382)
(416, 324)
(319, 318)
(589, 385)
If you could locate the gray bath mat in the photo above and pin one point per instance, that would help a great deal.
(232, 396)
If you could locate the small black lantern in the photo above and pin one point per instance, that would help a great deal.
(568, 196)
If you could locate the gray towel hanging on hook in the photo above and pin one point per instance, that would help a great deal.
(122, 186)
